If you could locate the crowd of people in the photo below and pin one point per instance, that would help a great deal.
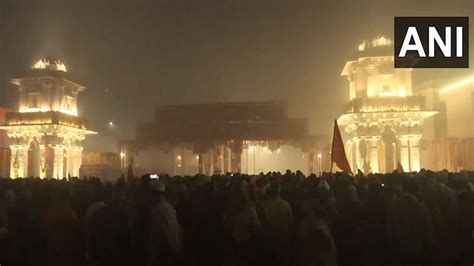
(275, 219)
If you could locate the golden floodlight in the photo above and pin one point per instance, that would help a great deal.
(458, 84)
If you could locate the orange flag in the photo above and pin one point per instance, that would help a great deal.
(338, 154)
(400, 168)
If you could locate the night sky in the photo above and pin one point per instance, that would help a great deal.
(134, 55)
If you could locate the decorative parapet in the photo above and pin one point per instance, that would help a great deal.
(386, 104)
(45, 118)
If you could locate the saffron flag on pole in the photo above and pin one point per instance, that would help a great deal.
(338, 154)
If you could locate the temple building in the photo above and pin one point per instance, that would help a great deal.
(4, 145)
(105, 165)
(246, 137)
(383, 122)
(46, 132)
(449, 142)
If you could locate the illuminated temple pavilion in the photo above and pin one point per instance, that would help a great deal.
(247, 137)
(46, 133)
(383, 122)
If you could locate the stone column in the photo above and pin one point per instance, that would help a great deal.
(78, 160)
(348, 146)
(358, 158)
(414, 143)
(311, 159)
(390, 142)
(67, 161)
(201, 163)
(58, 162)
(374, 154)
(404, 153)
(43, 161)
(222, 158)
(74, 161)
(216, 160)
(210, 162)
(228, 159)
(19, 161)
(236, 161)
(236, 157)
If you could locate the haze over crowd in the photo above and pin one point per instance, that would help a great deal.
(134, 55)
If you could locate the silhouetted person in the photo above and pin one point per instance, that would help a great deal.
(276, 217)
(110, 236)
(61, 228)
(165, 236)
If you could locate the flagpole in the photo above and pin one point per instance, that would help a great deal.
(332, 147)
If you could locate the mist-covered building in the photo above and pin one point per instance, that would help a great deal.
(5, 154)
(449, 142)
(247, 137)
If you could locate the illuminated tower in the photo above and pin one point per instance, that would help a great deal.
(46, 132)
(383, 120)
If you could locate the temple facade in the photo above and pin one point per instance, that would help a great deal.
(449, 137)
(46, 132)
(383, 122)
(210, 138)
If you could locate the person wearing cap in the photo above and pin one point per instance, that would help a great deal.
(165, 235)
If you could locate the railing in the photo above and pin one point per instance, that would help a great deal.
(44, 118)
(387, 104)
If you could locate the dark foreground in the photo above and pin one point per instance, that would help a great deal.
(395, 219)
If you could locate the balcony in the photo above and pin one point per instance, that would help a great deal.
(386, 104)
(44, 118)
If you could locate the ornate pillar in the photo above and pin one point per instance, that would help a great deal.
(74, 161)
(390, 140)
(19, 161)
(414, 143)
(58, 162)
(216, 160)
(311, 164)
(222, 158)
(67, 161)
(79, 160)
(43, 161)
(358, 157)
(201, 163)
(410, 152)
(236, 166)
(228, 159)
(209, 162)
(374, 154)
(236, 157)
(349, 147)
(404, 152)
